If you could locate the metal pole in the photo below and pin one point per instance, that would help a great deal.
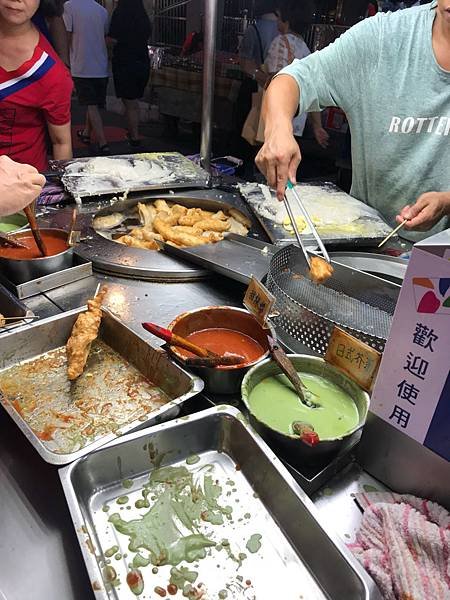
(209, 59)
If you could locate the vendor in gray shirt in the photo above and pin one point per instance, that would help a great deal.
(391, 76)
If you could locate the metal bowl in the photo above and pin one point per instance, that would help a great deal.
(20, 270)
(221, 380)
(290, 447)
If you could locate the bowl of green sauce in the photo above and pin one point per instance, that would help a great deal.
(273, 406)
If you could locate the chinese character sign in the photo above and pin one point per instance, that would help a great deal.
(412, 390)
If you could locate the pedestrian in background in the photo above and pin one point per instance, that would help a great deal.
(87, 24)
(129, 33)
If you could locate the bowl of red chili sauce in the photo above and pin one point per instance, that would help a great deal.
(222, 329)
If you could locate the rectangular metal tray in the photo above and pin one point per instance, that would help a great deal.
(279, 236)
(298, 557)
(50, 334)
(187, 175)
(81, 268)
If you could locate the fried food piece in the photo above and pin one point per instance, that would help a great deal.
(84, 332)
(321, 270)
(178, 210)
(213, 225)
(178, 237)
(168, 218)
(151, 236)
(236, 227)
(2, 320)
(108, 221)
(191, 230)
(161, 206)
(213, 236)
(240, 217)
(191, 217)
(133, 242)
(147, 212)
(220, 215)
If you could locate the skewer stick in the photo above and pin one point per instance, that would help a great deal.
(393, 232)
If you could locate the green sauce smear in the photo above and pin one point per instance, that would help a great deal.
(177, 499)
(127, 483)
(254, 543)
(192, 460)
(122, 499)
(274, 402)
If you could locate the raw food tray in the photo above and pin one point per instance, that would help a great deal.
(277, 234)
(184, 174)
(80, 269)
(297, 559)
(10, 306)
(28, 345)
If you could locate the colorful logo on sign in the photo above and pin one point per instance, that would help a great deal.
(432, 295)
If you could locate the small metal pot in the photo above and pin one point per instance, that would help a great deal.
(297, 453)
(221, 380)
(20, 270)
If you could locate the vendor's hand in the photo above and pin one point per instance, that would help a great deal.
(321, 136)
(19, 185)
(426, 212)
(279, 158)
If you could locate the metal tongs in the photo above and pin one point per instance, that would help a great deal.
(308, 221)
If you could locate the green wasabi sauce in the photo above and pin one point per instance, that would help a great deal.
(254, 543)
(274, 402)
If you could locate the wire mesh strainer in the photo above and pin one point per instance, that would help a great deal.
(359, 303)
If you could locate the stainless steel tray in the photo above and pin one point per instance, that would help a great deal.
(51, 334)
(298, 557)
(185, 174)
(81, 268)
(278, 235)
(236, 257)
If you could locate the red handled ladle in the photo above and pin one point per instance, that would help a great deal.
(206, 358)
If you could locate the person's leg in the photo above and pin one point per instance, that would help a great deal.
(132, 117)
(96, 124)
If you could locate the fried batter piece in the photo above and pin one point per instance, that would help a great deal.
(321, 270)
(84, 332)
(133, 242)
(192, 230)
(177, 209)
(213, 236)
(147, 212)
(2, 320)
(213, 225)
(161, 206)
(236, 227)
(170, 234)
(240, 217)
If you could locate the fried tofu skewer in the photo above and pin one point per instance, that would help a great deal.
(84, 332)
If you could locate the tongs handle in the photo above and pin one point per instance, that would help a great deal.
(309, 222)
(290, 212)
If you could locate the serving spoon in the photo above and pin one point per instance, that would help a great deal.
(29, 212)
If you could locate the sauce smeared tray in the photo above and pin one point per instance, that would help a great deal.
(201, 508)
(126, 385)
(108, 175)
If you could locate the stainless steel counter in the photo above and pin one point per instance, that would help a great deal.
(39, 554)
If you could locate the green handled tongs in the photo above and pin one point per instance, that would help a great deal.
(308, 220)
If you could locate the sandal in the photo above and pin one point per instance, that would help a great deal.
(83, 137)
(137, 143)
(104, 150)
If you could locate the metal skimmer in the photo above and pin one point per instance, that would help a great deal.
(360, 303)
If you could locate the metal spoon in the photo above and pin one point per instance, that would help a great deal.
(282, 360)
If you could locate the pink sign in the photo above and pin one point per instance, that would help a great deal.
(412, 390)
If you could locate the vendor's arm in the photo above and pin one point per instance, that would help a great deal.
(19, 185)
(335, 76)
(427, 211)
(60, 136)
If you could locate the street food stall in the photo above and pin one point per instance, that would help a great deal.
(206, 393)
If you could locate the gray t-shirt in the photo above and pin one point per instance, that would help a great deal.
(88, 23)
(383, 73)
